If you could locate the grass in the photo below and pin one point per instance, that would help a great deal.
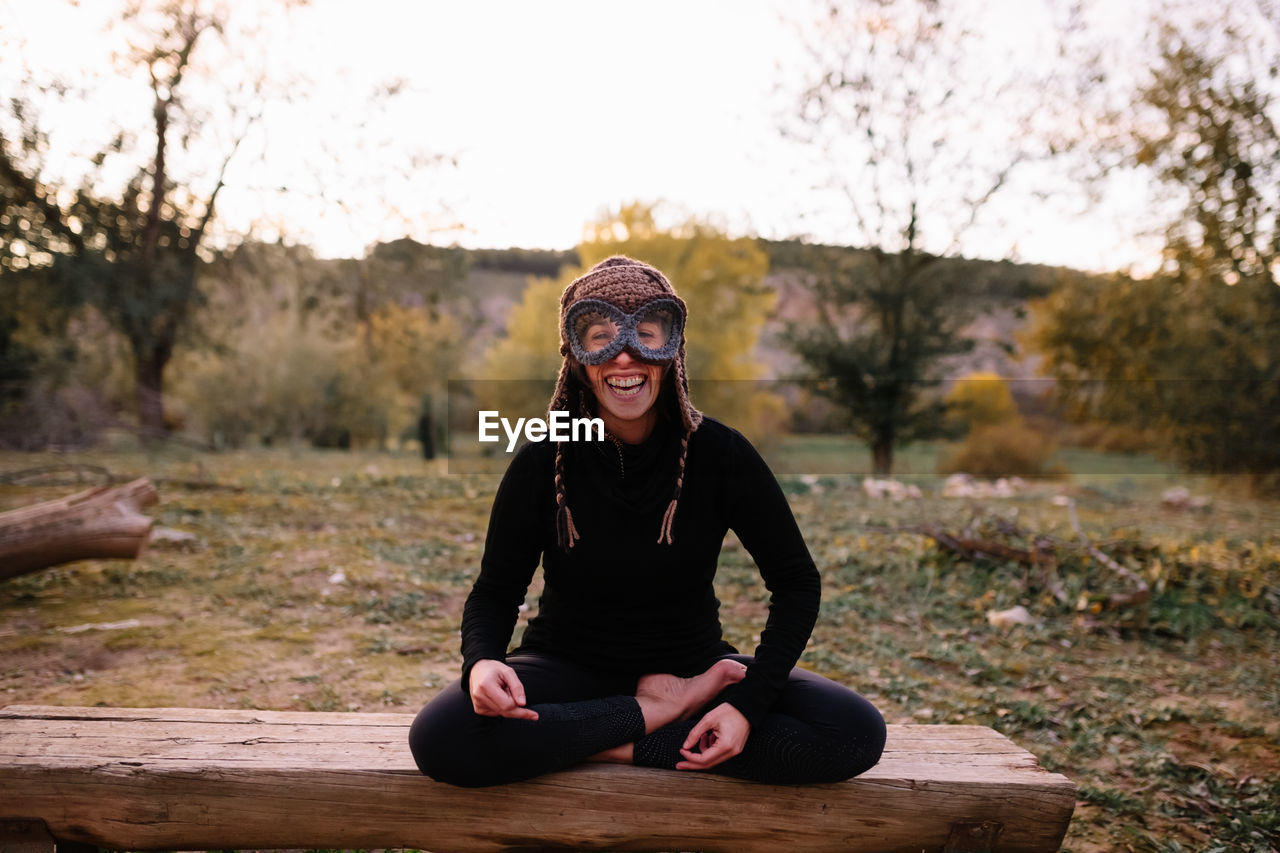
(836, 455)
(839, 455)
(334, 581)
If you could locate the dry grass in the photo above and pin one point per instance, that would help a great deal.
(334, 581)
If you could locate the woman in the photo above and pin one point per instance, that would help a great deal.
(625, 661)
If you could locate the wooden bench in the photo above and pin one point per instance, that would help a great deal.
(186, 779)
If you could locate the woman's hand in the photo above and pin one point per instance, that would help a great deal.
(718, 736)
(496, 691)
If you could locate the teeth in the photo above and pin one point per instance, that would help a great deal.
(626, 382)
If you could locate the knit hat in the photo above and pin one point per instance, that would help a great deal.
(627, 284)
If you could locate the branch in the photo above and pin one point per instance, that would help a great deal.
(151, 232)
(970, 548)
(198, 234)
(164, 102)
(56, 475)
(32, 194)
(1141, 591)
(976, 206)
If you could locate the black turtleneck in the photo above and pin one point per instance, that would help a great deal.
(620, 601)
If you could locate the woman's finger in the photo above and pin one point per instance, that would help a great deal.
(511, 683)
(520, 714)
(507, 708)
(705, 760)
(494, 698)
(695, 734)
(497, 699)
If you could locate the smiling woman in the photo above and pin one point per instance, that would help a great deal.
(625, 661)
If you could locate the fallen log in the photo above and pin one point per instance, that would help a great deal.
(62, 474)
(99, 523)
(970, 548)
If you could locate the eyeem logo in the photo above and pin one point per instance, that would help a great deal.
(561, 427)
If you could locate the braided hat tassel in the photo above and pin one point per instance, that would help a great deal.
(669, 517)
(566, 532)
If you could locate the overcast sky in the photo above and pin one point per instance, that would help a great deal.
(553, 111)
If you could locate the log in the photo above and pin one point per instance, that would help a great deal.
(193, 779)
(25, 836)
(99, 523)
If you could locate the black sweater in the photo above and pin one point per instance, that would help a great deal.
(620, 601)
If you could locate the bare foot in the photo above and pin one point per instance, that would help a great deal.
(618, 755)
(666, 698)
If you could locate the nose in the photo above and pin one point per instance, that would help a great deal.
(624, 358)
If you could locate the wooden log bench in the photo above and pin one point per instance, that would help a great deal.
(188, 779)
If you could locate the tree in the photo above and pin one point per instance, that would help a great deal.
(901, 105)
(1194, 351)
(133, 256)
(415, 350)
(342, 352)
(998, 443)
(981, 399)
(129, 229)
(884, 326)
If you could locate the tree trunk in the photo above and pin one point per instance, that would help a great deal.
(426, 436)
(882, 457)
(102, 522)
(149, 381)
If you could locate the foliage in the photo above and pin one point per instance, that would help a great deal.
(546, 263)
(282, 384)
(127, 228)
(63, 368)
(1008, 448)
(1195, 362)
(999, 442)
(414, 351)
(407, 273)
(1002, 281)
(1214, 140)
(134, 255)
(333, 353)
(981, 399)
(886, 316)
(530, 348)
(899, 104)
(1107, 437)
(1193, 352)
(883, 324)
(519, 370)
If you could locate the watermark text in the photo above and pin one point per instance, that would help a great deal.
(559, 427)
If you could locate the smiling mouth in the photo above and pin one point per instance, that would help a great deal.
(626, 386)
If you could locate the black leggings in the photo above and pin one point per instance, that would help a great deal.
(816, 731)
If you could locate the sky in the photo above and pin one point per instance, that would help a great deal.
(547, 116)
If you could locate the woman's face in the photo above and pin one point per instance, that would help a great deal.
(626, 389)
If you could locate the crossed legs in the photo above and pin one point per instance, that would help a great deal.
(817, 731)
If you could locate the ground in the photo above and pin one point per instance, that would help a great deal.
(334, 581)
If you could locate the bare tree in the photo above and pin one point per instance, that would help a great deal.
(917, 135)
(127, 227)
(133, 253)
